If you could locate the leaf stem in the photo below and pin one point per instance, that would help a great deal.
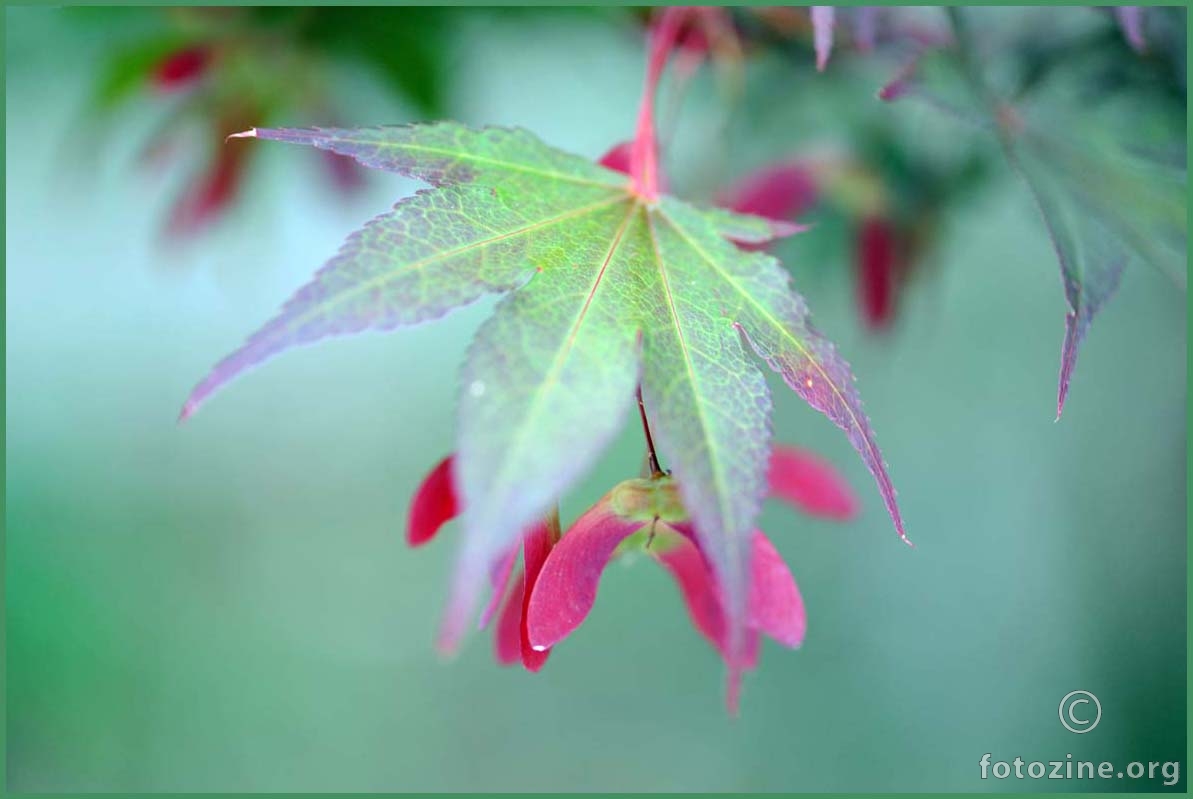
(644, 153)
(653, 457)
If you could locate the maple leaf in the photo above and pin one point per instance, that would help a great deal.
(607, 290)
(614, 291)
(1077, 168)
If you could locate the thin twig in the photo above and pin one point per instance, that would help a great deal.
(655, 469)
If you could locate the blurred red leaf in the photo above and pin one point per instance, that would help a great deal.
(182, 68)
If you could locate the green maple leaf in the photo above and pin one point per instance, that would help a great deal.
(1106, 173)
(606, 291)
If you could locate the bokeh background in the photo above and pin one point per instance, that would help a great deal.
(229, 604)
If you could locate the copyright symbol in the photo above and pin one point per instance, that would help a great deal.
(1075, 713)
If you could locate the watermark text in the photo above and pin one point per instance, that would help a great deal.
(1167, 772)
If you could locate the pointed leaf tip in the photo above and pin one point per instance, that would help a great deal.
(1068, 360)
(902, 82)
(188, 408)
(783, 229)
(453, 626)
(772, 320)
(823, 19)
(774, 607)
(435, 251)
(1091, 256)
(1130, 21)
(501, 580)
(251, 133)
(733, 691)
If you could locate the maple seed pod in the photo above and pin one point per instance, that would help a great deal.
(647, 499)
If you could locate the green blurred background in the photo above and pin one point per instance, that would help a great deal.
(229, 604)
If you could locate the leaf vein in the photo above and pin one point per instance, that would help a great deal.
(837, 392)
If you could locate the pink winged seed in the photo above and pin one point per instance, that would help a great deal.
(537, 546)
(780, 191)
(434, 503)
(512, 641)
(695, 582)
(507, 637)
(775, 606)
(567, 585)
(810, 483)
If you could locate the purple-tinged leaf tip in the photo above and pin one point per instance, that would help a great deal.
(865, 27)
(1074, 334)
(823, 20)
(901, 84)
(1130, 20)
(824, 380)
(1078, 320)
(1091, 260)
(773, 319)
(404, 267)
(435, 251)
(462, 599)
